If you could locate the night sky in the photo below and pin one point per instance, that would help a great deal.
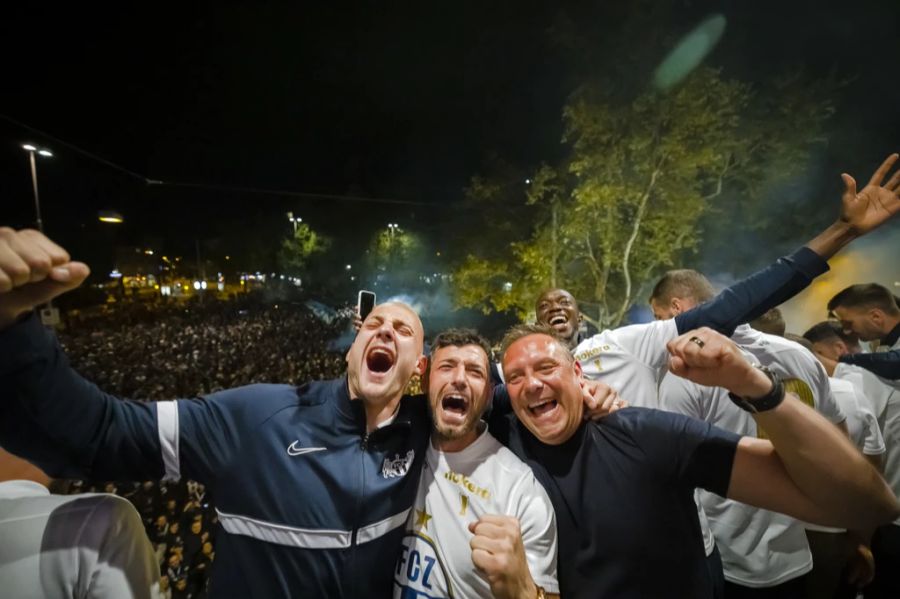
(401, 101)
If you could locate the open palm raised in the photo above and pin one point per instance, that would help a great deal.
(875, 203)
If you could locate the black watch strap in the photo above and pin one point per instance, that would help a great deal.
(768, 401)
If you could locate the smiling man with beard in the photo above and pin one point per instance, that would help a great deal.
(477, 502)
(313, 484)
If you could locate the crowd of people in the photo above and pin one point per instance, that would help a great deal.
(188, 350)
(720, 489)
(179, 350)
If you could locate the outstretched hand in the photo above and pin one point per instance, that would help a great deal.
(868, 208)
(33, 271)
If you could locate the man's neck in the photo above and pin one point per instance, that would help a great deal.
(454, 445)
(893, 333)
(377, 414)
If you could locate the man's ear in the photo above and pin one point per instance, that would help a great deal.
(876, 316)
(676, 305)
(578, 371)
(421, 365)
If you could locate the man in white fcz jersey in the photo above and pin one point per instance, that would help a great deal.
(477, 502)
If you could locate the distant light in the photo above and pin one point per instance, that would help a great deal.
(527, 181)
(110, 216)
(228, 257)
(115, 274)
(29, 147)
(347, 267)
(197, 285)
(202, 284)
(46, 153)
(148, 252)
(507, 287)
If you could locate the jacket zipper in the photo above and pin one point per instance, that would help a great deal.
(360, 498)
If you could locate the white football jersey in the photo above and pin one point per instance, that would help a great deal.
(456, 489)
(885, 400)
(759, 548)
(631, 359)
(861, 422)
(804, 375)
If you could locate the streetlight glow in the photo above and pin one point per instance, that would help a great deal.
(29, 147)
(46, 153)
(110, 216)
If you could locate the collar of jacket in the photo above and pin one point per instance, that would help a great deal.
(353, 411)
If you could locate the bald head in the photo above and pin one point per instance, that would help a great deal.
(387, 352)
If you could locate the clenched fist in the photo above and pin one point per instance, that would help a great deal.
(709, 358)
(33, 271)
(498, 552)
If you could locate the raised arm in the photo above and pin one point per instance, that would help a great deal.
(808, 470)
(65, 424)
(860, 213)
(53, 417)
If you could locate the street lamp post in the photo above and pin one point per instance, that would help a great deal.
(37, 202)
(294, 220)
(49, 314)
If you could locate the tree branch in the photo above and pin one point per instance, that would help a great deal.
(635, 228)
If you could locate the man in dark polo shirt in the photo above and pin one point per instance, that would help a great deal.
(622, 488)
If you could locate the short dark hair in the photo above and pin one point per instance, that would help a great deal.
(519, 331)
(865, 295)
(827, 330)
(771, 322)
(801, 340)
(460, 338)
(683, 282)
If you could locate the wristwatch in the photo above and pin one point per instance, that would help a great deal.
(770, 400)
(541, 593)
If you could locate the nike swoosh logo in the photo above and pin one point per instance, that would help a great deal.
(294, 450)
